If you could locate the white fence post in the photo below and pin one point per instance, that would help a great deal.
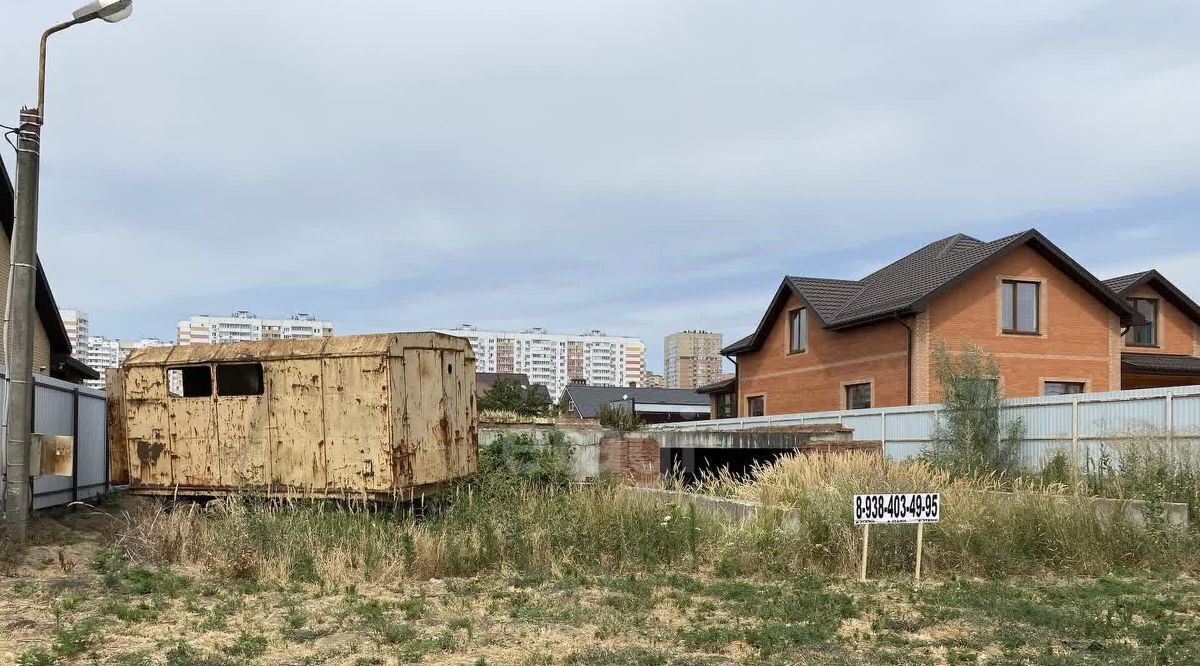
(883, 434)
(1170, 424)
(1075, 436)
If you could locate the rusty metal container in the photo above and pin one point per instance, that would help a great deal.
(386, 416)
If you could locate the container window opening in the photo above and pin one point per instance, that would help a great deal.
(239, 379)
(190, 381)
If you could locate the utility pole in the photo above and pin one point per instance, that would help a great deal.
(18, 342)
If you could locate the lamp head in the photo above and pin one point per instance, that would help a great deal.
(109, 10)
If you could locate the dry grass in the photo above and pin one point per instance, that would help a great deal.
(990, 524)
(115, 612)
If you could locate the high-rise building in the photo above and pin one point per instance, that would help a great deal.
(554, 360)
(76, 322)
(691, 358)
(103, 354)
(243, 326)
(654, 380)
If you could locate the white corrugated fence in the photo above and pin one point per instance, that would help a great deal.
(1079, 425)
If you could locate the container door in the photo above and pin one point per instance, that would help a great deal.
(148, 432)
(191, 408)
(296, 429)
(242, 428)
(357, 423)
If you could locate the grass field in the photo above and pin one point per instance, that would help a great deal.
(74, 601)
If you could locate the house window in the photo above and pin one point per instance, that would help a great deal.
(726, 406)
(1019, 306)
(239, 379)
(858, 396)
(755, 406)
(797, 331)
(189, 381)
(1062, 388)
(1144, 335)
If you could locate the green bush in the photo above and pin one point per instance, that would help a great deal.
(968, 436)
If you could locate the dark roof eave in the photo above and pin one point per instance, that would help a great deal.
(874, 319)
(76, 366)
(718, 387)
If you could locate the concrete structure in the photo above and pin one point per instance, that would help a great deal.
(244, 326)
(555, 360)
(691, 359)
(384, 416)
(1052, 327)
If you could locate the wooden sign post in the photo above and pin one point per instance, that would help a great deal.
(919, 508)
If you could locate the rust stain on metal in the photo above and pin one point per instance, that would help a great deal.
(148, 452)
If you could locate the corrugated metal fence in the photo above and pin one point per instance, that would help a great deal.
(1079, 425)
(62, 408)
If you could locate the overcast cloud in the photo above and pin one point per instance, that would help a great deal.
(640, 167)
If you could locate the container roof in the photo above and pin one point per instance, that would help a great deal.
(377, 344)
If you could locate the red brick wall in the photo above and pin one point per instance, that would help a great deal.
(813, 380)
(1077, 337)
(630, 458)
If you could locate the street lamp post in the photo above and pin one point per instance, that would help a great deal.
(18, 338)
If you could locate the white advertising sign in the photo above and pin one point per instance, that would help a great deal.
(897, 508)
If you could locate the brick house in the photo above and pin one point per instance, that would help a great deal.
(1052, 326)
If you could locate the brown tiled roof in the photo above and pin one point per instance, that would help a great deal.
(904, 286)
(827, 297)
(1120, 284)
(1161, 364)
(900, 284)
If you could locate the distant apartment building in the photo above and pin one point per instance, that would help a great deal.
(103, 354)
(653, 380)
(76, 322)
(691, 358)
(244, 326)
(556, 360)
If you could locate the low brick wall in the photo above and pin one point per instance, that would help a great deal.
(632, 458)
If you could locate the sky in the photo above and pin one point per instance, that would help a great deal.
(640, 167)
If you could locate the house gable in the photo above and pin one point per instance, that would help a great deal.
(1178, 315)
(1077, 340)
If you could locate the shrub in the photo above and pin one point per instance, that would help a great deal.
(968, 436)
(522, 458)
(619, 418)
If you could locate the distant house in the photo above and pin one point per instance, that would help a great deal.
(653, 405)
(1052, 326)
(484, 381)
(51, 343)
